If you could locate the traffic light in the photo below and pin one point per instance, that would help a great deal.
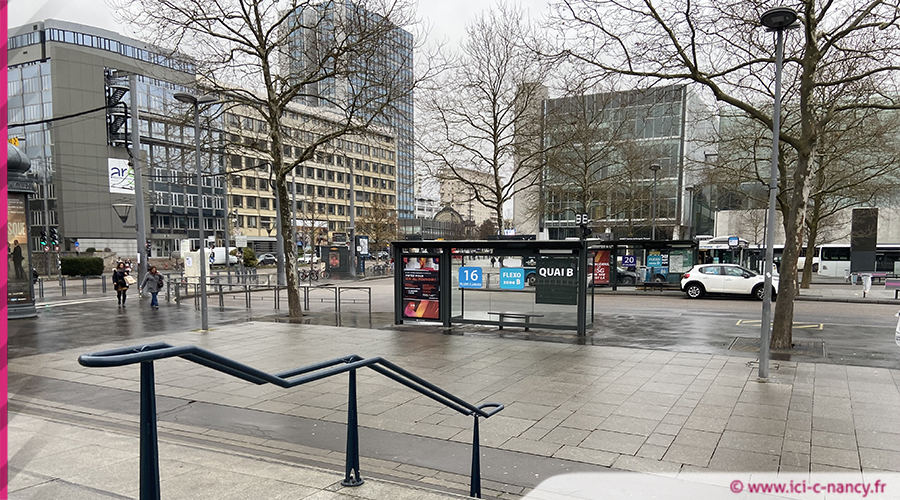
(586, 232)
(148, 248)
(54, 236)
(43, 238)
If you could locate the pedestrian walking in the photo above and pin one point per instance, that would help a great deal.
(120, 284)
(493, 262)
(153, 283)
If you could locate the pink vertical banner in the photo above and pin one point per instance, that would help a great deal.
(4, 274)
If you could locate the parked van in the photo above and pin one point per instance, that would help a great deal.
(219, 256)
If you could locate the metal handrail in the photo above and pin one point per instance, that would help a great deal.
(146, 354)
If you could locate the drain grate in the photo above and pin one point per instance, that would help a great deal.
(813, 348)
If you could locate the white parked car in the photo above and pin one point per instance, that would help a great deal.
(724, 278)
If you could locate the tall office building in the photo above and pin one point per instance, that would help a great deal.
(618, 155)
(389, 65)
(69, 73)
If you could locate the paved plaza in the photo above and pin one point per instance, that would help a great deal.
(569, 408)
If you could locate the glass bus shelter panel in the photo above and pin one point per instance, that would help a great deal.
(485, 283)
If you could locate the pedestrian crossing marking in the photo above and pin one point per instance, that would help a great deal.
(805, 326)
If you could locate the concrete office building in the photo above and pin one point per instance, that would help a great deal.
(615, 138)
(59, 69)
(393, 58)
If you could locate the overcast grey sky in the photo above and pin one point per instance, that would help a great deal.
(447, 19)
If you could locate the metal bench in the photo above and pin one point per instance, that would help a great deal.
(526, 316)
(892, 284)
(659, 285)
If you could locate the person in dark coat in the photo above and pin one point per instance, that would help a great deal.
(119, 283)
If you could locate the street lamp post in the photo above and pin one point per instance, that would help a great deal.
(776, 19)
(655, 169)
(196, 102)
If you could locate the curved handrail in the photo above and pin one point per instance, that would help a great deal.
(291, 378)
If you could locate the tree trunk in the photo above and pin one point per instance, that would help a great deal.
(295, 307)
(794, 220)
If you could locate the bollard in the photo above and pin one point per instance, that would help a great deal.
(41, 287)
(178, 292)
(62, 283)
(277, 296)
(84, 285)
(247, 295)
(103, 283)
(221, 297)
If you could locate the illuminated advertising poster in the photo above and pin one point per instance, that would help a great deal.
(601, 267)
(18, 267)
(421, 288)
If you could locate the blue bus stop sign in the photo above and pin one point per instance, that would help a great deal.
(470, 277)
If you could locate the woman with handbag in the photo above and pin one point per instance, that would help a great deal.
(153, 283)
(121, 279)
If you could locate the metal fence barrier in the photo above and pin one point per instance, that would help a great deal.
(146, 354)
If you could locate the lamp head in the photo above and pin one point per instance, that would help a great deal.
(654, 167)
(778, 18)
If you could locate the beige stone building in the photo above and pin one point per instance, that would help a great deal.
(321, 186)
(459, 196)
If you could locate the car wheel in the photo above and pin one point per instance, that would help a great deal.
(627, 280)
(759, 293)
(530, 279)
(694, 291)
(815, 268)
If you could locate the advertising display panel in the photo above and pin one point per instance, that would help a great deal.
(421, 288)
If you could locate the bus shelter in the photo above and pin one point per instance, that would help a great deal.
(623, 263)
(521, 283)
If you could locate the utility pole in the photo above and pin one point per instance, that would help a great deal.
(138, 180)
(352, 227)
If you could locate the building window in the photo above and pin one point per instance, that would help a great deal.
(237, 181)
(237, 201)
(252, 221)
(263, 203)
(251, 202)
(250, 182)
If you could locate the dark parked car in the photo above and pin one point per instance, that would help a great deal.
(626, 277)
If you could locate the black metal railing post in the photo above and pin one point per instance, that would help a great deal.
(351, 467)
(149, 445)
(41, 288)
(475, 480)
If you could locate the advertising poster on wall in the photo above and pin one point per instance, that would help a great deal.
(421, 288)
(18, 266)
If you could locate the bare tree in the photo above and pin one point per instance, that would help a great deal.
(842, 59)
(483, 115)
(267, 54)
(379, 222)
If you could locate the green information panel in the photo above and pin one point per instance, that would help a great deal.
(557, 280)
